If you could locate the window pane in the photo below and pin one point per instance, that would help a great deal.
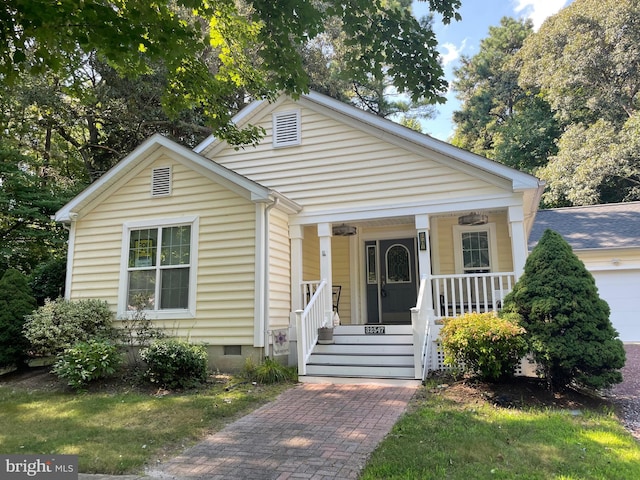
(142, 282)
(176, 242)
(174, 289)
(398, 264)
(142, 248)
(475, 251)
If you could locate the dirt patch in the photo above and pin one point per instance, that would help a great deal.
(519, 392)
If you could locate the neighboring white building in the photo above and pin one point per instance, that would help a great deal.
(607, 240)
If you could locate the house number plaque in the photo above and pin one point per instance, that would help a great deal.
(374, 330)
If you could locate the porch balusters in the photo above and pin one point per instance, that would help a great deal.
(456, 295)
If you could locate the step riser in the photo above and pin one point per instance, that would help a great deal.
(388, 329)
(376, 339)
(361, 371)
(395, 360)
(364, 349)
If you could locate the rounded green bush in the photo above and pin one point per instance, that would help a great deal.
(60, 324)
(484, 344)
(175, 363)
(88, 361)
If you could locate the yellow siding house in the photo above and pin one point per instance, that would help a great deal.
(337, 218)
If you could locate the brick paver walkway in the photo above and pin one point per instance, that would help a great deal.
(312, 431)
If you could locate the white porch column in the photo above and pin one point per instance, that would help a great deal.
(324, 234)
(424, 258)
(296, 235)
(518, 239)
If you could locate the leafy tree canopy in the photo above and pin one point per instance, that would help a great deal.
(498, 118)
(586, 63)
(212, 50)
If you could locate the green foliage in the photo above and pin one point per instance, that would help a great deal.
(88, 361)
(217, 51)
(498, 118)
(60, 324)
(47, 280)
(568, 328)
(16, 301)
(269, 371)
(137, 330)
(587, 70)
(484, 343)
(28, 236)
(175, 363)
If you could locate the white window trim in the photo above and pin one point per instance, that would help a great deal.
(127, 227)
(458, 230)
(298, 132)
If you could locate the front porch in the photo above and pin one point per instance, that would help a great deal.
(391, 353)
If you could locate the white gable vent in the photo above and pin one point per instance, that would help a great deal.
(161, 182)
(286, 128)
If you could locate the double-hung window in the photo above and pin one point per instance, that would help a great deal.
(159, 265)
(475, 249)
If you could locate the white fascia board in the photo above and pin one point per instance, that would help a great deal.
(519, 180)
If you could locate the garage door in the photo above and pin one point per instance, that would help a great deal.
(621, 290)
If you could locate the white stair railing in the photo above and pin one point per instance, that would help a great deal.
(420, 325)
(308, 321)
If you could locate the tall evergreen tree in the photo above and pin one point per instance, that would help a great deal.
(568, 328)
(16, 301)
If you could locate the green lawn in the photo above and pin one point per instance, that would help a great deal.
(116, 433)
(441, 437)
(444, 438)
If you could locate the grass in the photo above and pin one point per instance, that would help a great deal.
(458, 438)
(119, 432)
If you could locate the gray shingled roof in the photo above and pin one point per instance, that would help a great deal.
(613, 225)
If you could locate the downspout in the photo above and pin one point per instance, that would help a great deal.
(265, 280)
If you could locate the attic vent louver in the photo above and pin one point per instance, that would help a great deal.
(286, 128)
(161, 182)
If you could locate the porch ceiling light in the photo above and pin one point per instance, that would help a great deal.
(473, 219)
(344, 230)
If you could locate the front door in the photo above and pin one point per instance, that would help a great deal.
(391, 280)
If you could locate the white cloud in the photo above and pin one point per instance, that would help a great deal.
(451, 54)
(539, 10)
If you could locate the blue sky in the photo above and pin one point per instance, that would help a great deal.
(463, 38)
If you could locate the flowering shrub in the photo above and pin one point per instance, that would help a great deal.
(483, 343)
(175, 363)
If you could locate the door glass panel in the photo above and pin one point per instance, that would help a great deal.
(372, 273)
(397, 263)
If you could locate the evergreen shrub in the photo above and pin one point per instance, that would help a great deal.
(568, 328)
(483, 344)
(60, 324)
(175, 363)
(16, 302)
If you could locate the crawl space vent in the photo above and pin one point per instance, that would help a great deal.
(286, 129)
(161, 182)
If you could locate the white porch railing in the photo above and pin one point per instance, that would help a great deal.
(421, 333)
(308, 321)
(455, 295)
